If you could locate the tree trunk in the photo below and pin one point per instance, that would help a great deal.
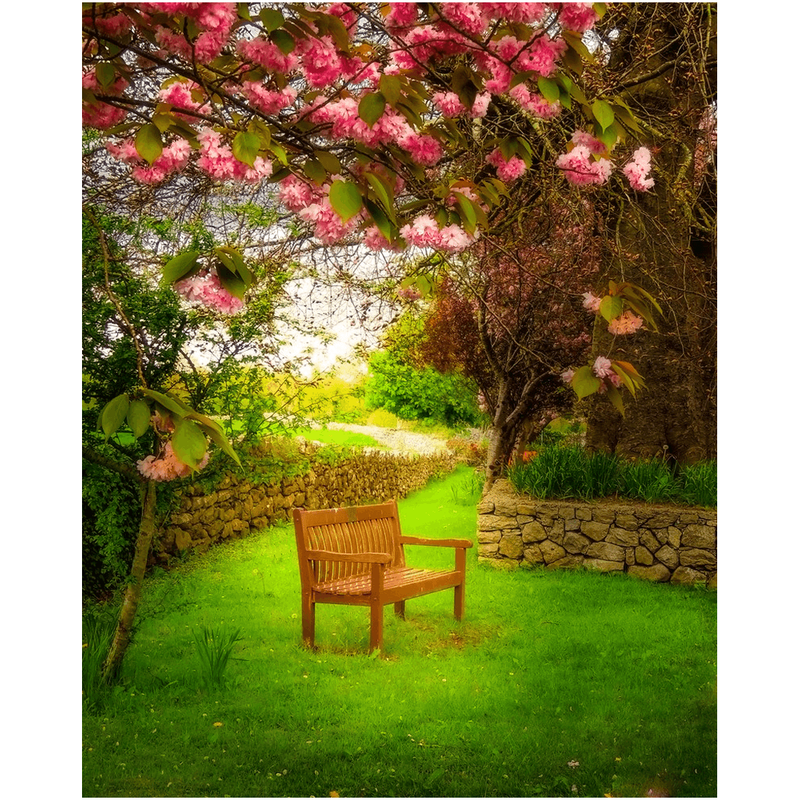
(675, 415)
(133, 589)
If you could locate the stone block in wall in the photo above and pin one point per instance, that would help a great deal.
(627, 521)
(505, 505)
(630, 556)
(551, 551)
(674, 536)
(488, 550)
(489, 522)
(583, 513)
(532, 554)
(605, 516)
(594, 530)
(556, 532)
(688, 518)
(183, 541)
(511, 545)
(687, 575)
(489, 537)
(486, 506)
(575, 542)
(533, 532)
(572, 524)
(601, 565)
(657, 572)
(697, 558)
(662, 519)
(259, 523)
(667, 556)
(526, 509)
(644, 556)
(699, 536)
(648, 540)
(622, 537)
(605, 551)
(567, 562)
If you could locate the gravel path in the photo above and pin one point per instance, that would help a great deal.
(397, 440)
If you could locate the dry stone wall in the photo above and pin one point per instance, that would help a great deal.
(656, 542)
(237, 506)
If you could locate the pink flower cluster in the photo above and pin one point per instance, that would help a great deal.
(205, 288)
(167, 467)
(267, 55)
(602, 369)
(506, 170)
(424, 232)
(172, 159)
(270, 102)
(534, 103)
(591, 302)
(628, 322)
(214, 19)
(451, 106)
(580, 169)
(217, 160)
(328, 225)
(179, 95)
(637, 170)
(578, 17)
(101, 115)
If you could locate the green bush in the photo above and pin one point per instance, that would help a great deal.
(419, 394)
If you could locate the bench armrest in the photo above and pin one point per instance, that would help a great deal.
(436, 542)
(357, 558)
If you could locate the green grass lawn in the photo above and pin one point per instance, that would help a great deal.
(555, 684)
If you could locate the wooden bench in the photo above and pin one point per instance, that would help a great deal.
(355, 556)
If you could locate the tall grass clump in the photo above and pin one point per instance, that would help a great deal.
(570, 473)
(215, 649)
(99, 624)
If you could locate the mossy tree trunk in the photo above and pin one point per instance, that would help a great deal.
(133, 588)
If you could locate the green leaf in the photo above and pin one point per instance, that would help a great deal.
(315, 171)
(105, 73)
(549, 89)
(328, 161)
(611, 307)
(626, 379)
(138, 417)
(585, 382)
(222, 442)
(603, 113)
(148, 143)
(383, 191)
(381, 220)
(468, 215)
(172, 404)
(188, 442)
(245, 147)
(231, 282)
(113, 414)
(284, 41)
(180, 266)
(615, 397)
(271, 18)
(371, 107)
(391, 88)
(345, 199)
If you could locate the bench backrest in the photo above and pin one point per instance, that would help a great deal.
(358, 529)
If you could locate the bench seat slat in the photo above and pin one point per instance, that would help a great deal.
(394, 578)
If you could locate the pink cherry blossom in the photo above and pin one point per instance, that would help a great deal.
(534, 103)
(375, 240)
(296, 194)
(424, 232)
(267, 55)
(568, 375)
(579, 17)
(266, 100)
(579, 168)
(328, 225)
(637, 170)
(205, 289)
(217, 160)
(602, 367)
(587, 140)
(166, 466)
(506, 170)
(591, 302)
(401, 15)
(626, 323)
(515, 12)
(466, 17)
(423, 149)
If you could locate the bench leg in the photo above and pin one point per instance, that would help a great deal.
(461, 566)
(458, 602)
(376, 626)
(400, 609)
(309, 615)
